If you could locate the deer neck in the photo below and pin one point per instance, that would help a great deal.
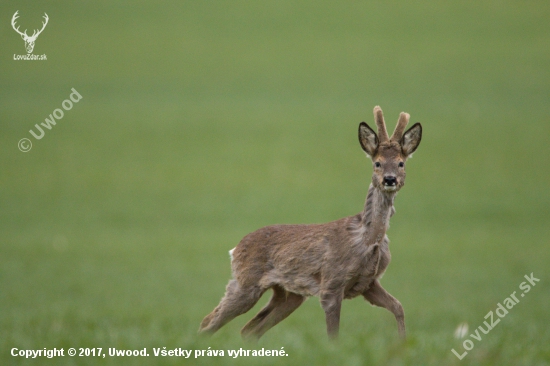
(375, 218)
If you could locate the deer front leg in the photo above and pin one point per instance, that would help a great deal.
(376, 295)
(331, 302)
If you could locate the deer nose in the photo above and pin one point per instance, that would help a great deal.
(390, 180)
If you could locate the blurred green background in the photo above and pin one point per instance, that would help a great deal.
(203, 121)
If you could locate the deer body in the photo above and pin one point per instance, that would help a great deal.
(337, 260)
(306, 259)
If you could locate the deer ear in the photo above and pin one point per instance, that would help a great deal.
(411, 139)
(368, 139)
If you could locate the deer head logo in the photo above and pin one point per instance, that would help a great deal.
(29, 40)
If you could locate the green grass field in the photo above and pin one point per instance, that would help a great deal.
(201, 122)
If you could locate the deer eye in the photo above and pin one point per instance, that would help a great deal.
(377, 164)
(401, 164)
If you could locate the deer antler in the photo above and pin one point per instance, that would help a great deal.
(13, 19)
(379, 119)
(400, 128)
(37, 32)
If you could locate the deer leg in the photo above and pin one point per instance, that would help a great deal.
(376, 295)
(331, 302)
(278, 295)
(235, 302)
(281, 305)
(279, 313)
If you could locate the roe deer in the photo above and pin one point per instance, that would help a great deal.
(335, 261)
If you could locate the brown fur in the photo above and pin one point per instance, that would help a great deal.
(334, 261)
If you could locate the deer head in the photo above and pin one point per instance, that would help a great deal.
(29, 40)
(389, 154)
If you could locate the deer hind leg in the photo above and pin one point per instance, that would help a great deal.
(236, 301)
(376, 295)
(281, 305)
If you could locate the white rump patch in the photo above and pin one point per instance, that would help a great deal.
(231, 254)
